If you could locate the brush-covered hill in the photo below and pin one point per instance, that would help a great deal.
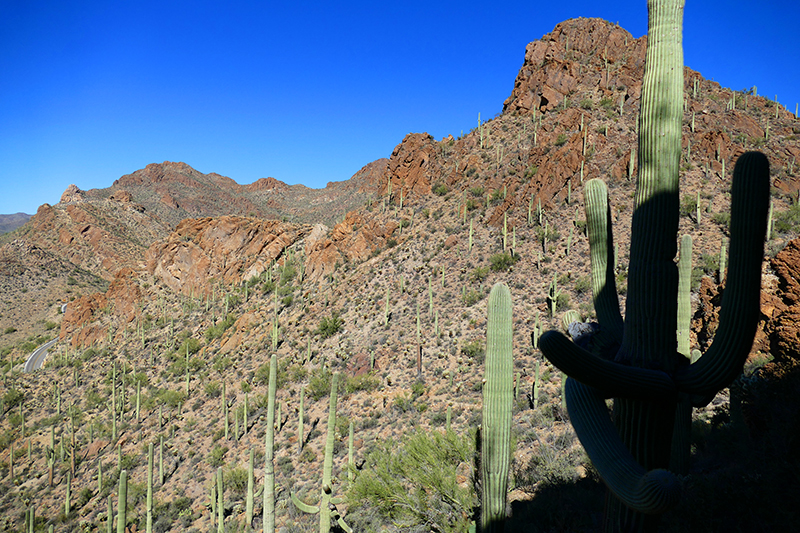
(391, 295)
(12, 222)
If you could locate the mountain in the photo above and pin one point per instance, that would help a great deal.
(12, 222)
(181, 284)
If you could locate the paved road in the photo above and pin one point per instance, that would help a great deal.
(36, 359)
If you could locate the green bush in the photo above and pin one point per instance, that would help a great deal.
(236, 480)
(192, 344)
(216, 331)
(365, 382)
(472, 297)
(561, 139)
(787, 221)
(12, 398)
(502, 261)
(413, 484)
(216, 457)
(440, 189)
(474, 350)
(330, 326)
(479, 274)
(320, 385)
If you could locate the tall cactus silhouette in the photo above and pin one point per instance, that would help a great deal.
(497, 404)
(638, 363)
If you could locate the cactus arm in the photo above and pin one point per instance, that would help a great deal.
(497, 404)
(608, 378)
(303, 506)
(740, 310)
(601, 247)
(647, 492)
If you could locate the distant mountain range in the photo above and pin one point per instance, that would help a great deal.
(12, 222)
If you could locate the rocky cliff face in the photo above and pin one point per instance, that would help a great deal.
(97, 317)
(226, 250)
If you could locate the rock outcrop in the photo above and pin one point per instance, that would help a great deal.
(225, 249)
(82, 324)
(783, 328)
(72, 195)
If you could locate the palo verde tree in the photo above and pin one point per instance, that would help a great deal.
(639, 365)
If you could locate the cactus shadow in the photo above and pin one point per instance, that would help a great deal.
(569, 506)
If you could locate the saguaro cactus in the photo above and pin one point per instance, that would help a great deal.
(269, 449)
(122, 504)
(326, 507)
(497, 404)
(644, 372)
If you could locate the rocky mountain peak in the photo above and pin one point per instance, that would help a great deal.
(578, 55)
(72, 195)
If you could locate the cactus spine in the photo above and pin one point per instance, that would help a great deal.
(497, 404)
(643, 372)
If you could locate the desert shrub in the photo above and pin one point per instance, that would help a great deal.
(479, 274)
(216, 456)
(216, 331)
(440, 189)
(319, 385)
(787, 221)
(502, 261)
(474, 350)
(472, 297)
(212, 389)
(561, 139)
(172, 398)
(12, 398)
(262, 374)
(236, 480)
(191, 344)
(556, 462)
(583, 285)
(330, 325)
(413, 483)
(365, 382)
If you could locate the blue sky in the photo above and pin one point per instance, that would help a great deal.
(303, 92)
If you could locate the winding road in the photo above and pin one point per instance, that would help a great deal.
(36, 359)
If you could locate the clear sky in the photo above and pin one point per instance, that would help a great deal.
(306, 92)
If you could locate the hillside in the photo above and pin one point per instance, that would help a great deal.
(181, 285)
(12, 222)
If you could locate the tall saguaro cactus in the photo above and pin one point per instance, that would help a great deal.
(644, 373)
(269, 450)
(497, 403)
